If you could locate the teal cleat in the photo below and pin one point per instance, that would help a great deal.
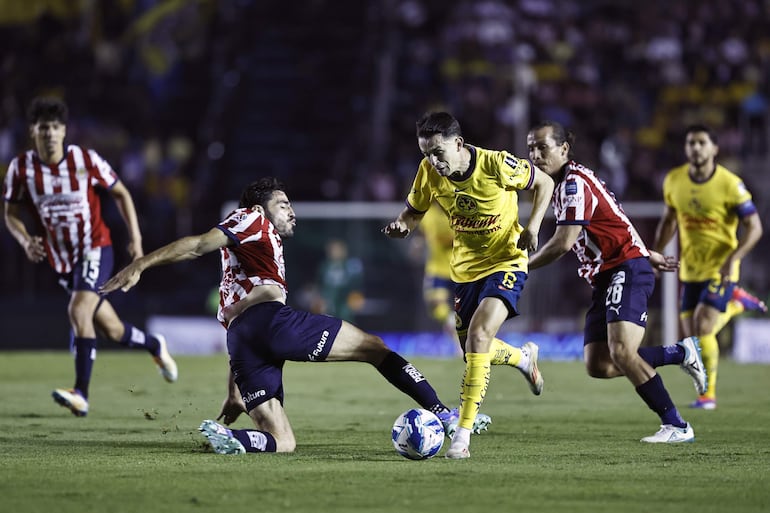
(449, 420)
(221, 438)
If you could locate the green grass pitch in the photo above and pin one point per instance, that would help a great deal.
(574, 449)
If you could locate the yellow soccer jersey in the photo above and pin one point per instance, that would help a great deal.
(439, 237)
(707, 214)
(483, 211)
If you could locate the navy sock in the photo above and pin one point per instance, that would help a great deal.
(656, 396)
(135, 338)
(405, 376)
(85, 353)
(658, 356)
(255, 441)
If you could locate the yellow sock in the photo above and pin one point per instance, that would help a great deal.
(733, 308)
(501, 353)
(710, 353)
(475, 383)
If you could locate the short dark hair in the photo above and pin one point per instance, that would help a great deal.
(260, 192)
(701, 128)
(559, 134)
(47, 108)
(442, 123)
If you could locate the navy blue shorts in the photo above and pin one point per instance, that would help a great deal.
(91, 271)
(266, 335)
(620, 294)
(506, 285)
(710, 292)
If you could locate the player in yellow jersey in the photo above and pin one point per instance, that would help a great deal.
(437, 288)
(706, 203)
(478, 190)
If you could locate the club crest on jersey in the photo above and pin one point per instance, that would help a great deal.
(570, 188)
(466, 204)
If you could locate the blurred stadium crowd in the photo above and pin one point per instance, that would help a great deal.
(189, 100)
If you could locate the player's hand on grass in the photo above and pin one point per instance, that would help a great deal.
(663, 263)
(232, 407)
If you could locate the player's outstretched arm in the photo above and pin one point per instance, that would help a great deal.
(543, 188)
(186, 248)
(32, 244)
(125, 204)
(404, 224)
(751, 232)
(666, 228)
(663, 263)
(560, 242)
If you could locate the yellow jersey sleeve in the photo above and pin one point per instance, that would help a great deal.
(423, 188)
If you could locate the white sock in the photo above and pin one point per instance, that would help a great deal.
(462, 437)
(524, 360)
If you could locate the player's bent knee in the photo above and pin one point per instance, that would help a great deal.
(372, 349)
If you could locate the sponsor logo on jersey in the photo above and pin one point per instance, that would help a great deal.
(459, 222)
(643, 318)
(512, 161)
(239, 217)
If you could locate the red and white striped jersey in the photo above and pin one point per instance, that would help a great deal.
(256, 259)
(608, 237)
(65, 200)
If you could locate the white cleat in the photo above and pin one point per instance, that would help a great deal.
(166, 364)
(669, 434)
(693, 364)
(71, 398)
(458, 451)
(532, 373)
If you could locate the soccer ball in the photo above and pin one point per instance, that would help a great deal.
(417, 434)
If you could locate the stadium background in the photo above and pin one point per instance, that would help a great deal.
(190, 100)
